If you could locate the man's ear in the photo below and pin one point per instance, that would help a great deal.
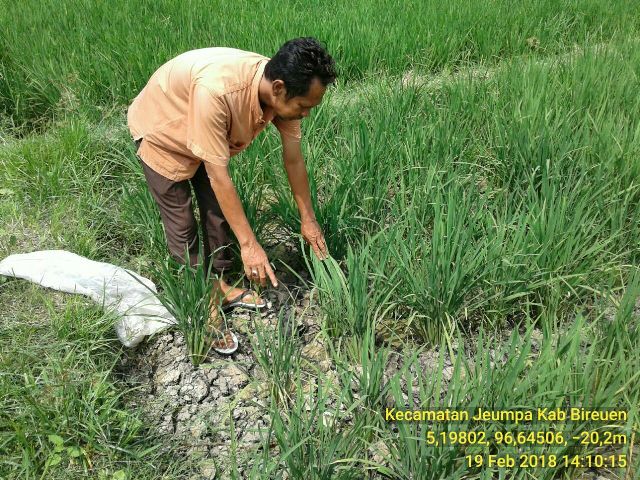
(278, 88)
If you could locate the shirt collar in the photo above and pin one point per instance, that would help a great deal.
(257, 109)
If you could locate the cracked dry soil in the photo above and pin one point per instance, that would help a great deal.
(200, 408)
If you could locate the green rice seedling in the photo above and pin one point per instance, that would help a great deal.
(333, 293)
(352, 303)
(564, 218)
(551, 249)
(373, 360)
(411, 455)
(441, 259)
(334, 212)
(188, 294)
(252, 184)
(318, 440)
(104, 64)
(368, 380)
(277, 352)
(350, 169)
(502, 377)
(357, 193)
(257, 465)
(566, 373)
(505, 289)
(315, 147)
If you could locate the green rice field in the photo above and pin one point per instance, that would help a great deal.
(476, 173)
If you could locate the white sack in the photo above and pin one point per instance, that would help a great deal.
(143, 314)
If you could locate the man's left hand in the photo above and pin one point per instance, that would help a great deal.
(312, 234)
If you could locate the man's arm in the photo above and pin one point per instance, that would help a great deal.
(297, 174)
(230, 203)
(299, 182)
(253, 256)
(207, 125)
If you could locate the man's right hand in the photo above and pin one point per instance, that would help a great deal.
(256, 264)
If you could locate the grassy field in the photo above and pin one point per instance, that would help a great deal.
(476, 171)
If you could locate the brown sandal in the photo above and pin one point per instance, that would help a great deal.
(238, 302)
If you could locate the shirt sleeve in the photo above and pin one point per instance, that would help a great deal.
(207, 121)
(289, 128)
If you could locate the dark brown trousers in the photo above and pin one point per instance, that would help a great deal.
(174, 201)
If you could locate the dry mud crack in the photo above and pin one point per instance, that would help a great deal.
(197, 406)
(201, 408)
(228, 399)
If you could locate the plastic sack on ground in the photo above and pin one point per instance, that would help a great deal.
(106, 284)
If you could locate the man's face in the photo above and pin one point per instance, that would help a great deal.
(296, 108)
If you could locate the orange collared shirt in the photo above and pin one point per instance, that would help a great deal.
(201, 106)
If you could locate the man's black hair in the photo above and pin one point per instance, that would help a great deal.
(298, 62)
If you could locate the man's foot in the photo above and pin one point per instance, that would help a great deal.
(249, 299)
(225, 342)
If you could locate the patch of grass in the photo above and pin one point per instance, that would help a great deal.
(452, 205)
(62, 413)
(277, 352)
(105, 56)
(188, 293)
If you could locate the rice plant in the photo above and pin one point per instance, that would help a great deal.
(313, 437)
(443, 260)
(352, 303)
(252, 183)
(569, 371)
(367, 379)
(277, 353)
(188, 294)
(104, 63)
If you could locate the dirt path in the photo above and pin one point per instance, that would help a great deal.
(360, 91)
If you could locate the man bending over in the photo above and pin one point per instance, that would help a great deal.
(196, 112)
